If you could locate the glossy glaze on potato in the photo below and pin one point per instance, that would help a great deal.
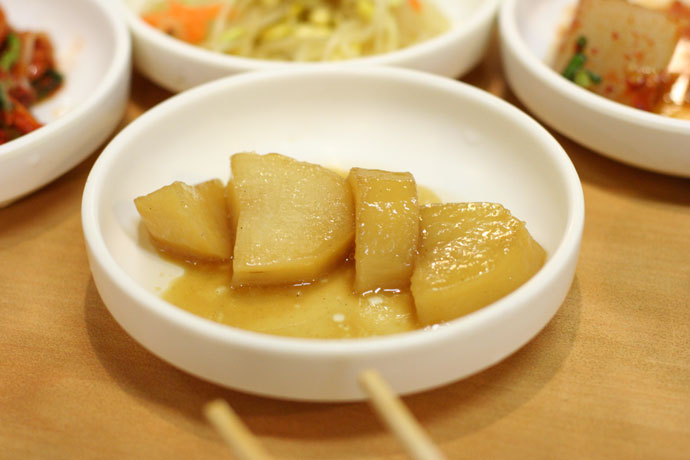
(188, 221)
(294, 220)
(470, 255)
(387, 228)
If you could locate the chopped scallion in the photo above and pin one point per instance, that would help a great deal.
(574, 66)
(575, 70)
(580, 43)
(582, 79)
(596, 79)
(47, 84)
(5, 101)
(12, 50)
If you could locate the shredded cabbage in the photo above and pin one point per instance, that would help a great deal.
(298, 30)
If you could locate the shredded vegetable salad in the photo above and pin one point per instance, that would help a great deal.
(27, 75)
(298, 30)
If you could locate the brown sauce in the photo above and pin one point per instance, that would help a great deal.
(327, 308)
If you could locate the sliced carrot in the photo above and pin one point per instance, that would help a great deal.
(415, 4)
(21, 118)
(154, 18)
(188, 23)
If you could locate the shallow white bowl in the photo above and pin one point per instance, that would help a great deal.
(462, 142)
(93, 50)
(528, 30)
(177, 66)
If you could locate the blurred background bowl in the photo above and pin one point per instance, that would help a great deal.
(177, 65)
(93, 51)
(529, 29)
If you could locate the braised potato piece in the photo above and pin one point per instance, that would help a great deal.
(470, 255)
(188, 221)
(295, 220)
(387, 228)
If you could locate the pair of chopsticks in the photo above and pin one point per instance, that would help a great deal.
(385, 402)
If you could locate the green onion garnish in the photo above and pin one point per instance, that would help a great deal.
(5, 101)
(47, 83)
(574, 66)
(596, 79)
(575, 70)
(582, 79)
(580, 43)
(12, 51)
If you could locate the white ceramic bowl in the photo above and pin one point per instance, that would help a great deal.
(177, 66)
(528, 30)
(93, 50)
(462, 142)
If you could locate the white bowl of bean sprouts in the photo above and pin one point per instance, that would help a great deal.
(182, 43)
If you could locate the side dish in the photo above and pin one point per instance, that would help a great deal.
(27, 75)
(298, 30)
(316, 254)
(635, 54)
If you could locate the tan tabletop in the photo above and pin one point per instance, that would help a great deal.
(609, 377)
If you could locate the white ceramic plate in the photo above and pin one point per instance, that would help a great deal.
(529, 30)
(462, 142)
(177, 66)
(93, 49)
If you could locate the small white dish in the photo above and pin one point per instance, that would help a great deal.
(528, 31)
(443, 131)
(93, 51)
(177, 65)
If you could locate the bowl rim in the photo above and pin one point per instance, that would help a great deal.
(566, 249)
(122, 50)
(540, 71)
(484, 12)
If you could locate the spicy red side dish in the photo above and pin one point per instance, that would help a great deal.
(630, 53)
(27, 75)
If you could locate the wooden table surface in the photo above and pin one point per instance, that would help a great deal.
(609, 377)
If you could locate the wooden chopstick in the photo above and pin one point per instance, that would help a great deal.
(398, 418)
(382, 397)
(237, 436)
